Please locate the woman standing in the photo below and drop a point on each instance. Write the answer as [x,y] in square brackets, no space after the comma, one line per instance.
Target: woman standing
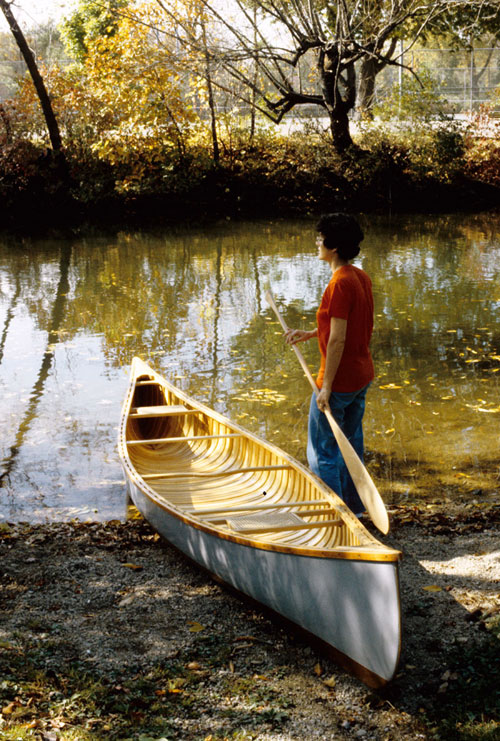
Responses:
[344,329]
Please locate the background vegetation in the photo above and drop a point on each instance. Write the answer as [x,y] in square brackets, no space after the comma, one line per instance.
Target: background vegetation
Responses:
[154,127]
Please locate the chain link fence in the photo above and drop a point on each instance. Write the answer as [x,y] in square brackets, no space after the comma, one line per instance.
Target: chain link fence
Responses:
[464,80]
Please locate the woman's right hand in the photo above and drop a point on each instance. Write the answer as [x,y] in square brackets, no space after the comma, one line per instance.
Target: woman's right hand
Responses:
[292,336]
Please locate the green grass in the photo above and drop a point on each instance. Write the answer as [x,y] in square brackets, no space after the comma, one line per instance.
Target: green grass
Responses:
[470,708]
[144,705]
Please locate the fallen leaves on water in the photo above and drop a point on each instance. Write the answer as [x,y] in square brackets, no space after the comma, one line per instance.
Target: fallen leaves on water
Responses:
[261,396]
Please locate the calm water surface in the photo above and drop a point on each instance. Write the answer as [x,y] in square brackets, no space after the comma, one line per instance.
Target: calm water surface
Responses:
[74,313]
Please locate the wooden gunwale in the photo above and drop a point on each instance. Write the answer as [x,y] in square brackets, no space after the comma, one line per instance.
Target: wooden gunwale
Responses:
[368,550]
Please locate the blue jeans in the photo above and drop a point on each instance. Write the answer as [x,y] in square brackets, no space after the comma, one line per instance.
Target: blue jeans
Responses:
[323,454]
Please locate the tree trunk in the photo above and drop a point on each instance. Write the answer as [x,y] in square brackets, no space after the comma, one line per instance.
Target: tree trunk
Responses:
[211,100]
[339,96]
[50,119]
[339,128]
[366,93]
[369,68]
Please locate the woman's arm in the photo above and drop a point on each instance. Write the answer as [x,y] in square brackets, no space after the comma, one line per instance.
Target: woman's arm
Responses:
[334,350]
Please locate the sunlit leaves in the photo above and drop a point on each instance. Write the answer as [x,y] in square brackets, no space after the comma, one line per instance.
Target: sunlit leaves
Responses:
[265,396]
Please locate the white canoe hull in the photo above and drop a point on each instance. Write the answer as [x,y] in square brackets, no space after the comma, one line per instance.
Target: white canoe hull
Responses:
[352,606]
[329,577]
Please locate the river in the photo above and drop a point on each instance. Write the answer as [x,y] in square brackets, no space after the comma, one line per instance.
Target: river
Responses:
[191,301]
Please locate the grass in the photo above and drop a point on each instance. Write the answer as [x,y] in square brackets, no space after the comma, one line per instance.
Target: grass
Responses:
[469,710]
[166,702]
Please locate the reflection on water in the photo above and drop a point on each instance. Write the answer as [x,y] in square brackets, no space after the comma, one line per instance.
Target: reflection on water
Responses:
[72,315]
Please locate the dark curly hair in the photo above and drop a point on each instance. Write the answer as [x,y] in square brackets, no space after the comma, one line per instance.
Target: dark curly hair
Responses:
[341,232]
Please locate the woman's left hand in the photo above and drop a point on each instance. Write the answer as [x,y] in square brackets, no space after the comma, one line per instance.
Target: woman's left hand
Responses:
[322,399]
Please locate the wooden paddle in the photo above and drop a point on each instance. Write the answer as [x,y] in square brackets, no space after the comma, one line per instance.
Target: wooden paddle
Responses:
[366,489]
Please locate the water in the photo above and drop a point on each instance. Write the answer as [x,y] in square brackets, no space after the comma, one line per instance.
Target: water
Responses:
[74,313]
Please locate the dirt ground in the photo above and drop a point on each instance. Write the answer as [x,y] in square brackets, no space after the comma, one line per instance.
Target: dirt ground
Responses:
[117,602]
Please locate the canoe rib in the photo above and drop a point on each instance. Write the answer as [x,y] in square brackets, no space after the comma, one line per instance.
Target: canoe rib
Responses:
[195,475]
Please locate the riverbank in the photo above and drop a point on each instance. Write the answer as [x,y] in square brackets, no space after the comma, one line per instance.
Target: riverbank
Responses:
[108,633]
[274,176]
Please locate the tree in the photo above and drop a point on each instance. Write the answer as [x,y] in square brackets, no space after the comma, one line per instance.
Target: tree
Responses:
[41,90]
[466,28]
[278,36]
[90,21]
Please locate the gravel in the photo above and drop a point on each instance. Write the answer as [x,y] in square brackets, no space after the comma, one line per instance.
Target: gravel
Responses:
[116,599]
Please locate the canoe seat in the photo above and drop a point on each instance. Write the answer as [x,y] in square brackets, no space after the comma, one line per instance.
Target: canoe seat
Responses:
[164,410]
[264,521]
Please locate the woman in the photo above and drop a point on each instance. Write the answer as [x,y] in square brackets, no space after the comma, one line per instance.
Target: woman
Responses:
[344,328]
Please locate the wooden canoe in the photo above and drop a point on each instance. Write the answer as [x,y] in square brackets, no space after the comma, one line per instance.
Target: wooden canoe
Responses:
[261,522]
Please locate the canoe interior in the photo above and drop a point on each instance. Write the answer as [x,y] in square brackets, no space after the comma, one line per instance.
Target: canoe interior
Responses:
[216,473]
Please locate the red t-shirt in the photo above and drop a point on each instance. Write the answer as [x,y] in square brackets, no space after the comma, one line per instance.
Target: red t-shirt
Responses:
[348,296]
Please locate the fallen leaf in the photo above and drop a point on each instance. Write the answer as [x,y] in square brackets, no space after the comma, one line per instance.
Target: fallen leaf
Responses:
[195,627]
[318,670]
[432,588]
[133,566]
[175,685]
[330,682]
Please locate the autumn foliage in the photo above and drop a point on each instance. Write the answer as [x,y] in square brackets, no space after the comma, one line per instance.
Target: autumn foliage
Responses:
[139,144]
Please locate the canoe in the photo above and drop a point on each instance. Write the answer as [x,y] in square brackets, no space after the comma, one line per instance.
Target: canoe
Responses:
[261,522]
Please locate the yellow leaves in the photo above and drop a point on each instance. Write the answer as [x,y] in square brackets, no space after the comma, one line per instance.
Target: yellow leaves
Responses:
[432,588]
[391,386]
[484,410]
[330,682]
[195,626]
[265,396]
[176,686]
[133,566]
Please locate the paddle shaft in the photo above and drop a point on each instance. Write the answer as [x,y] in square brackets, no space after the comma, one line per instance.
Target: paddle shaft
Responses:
[366,489]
